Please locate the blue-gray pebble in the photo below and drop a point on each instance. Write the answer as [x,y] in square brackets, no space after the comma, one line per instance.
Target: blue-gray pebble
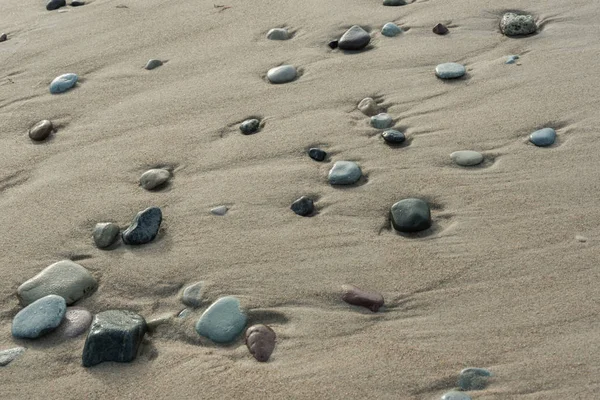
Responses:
[512,59]
[543,137]
[390,30]
[344,173]
[63,83]
[381,121]
[9,355]
[473,378]
[450,71]
[144,227]
[223,321]
[410,215]
[40,317]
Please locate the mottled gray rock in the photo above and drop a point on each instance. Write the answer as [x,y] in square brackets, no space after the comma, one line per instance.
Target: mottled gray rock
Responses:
[41,130]
[513,24]
[450,71]
[220,210]
[77,320]
[9,355]
[115,335]
[368,106]
[455,396]
[355,38]
[192,295]
[223,321]
[394,2]
[105,234]
[282,74]
[382,121]
[154,178]
[543,137]
[151,64]
[392,136]
[317,154]
[144,227]
[473,378]
[358,297]
[250,126]
[304,206]
[467,158]
[344,173]
[39,318]
[410,215]
[278,34]
[64,278]
[260,340]
[391,29]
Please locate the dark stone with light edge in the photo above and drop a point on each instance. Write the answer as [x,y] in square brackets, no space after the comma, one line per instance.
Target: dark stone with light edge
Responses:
[411,215]
[393,136]
[144,227]
[440,29]
[355,38]
[303,206]
[55,4]
[473,378]
[250,126]
[317,154]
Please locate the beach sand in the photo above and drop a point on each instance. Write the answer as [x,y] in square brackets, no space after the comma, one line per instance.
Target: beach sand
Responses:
[499,282]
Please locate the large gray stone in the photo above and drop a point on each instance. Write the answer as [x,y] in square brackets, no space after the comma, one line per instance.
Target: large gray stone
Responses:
[513,24]
[39,318]
[411,215]
[9,355]
[144,227]
[105,234]
[543,137]
[223,321]
[355,38]
[344,173]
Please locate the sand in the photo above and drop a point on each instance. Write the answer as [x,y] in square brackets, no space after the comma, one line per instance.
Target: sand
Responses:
[499,282]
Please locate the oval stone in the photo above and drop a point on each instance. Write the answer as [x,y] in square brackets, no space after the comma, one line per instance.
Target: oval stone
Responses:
[41,130]
[344,173]
[105,234]
[467,158]
[333,44]
[393,136]
[543,137]
[278,34]
[455,396]
[144,227]
[55,4]
[355,38]
[63,83]
[358,297]
[394,2]
[77,320]
[9,355]
[151,64]
[250,126]
[40,317]
[513,24]
[282,74]
[410,215]
[223,321]
[220,210]
[450,71]
[3,37]
[192,295]
[473,378]
[390,30]
[260,340]
[382,121]
[304,206]
[154,178]
[317,154]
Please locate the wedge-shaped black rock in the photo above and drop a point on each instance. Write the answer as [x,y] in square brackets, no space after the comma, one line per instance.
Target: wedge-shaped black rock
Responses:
[144,227]
[115,335]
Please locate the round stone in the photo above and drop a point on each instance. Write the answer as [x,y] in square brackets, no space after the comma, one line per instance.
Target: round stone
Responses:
[355,38]
[154,178]
[41,130]
[410,215]
[450,70]
[40,317]
[543,137]
[192,295]
[473,378]
[3,37]
[63,83]
[344,173]
[390,30]
[440,29]
[151,64]
[223,321]
[455,396]
[144,227]
[278,34]
[317,154]
[77,320]
[368,106]
[282,74]
[382,121]
[260,340]
[304,206]
[55,4]
[393,136]
[513,24]
[250,126]
[466,158]
[9,355]
[220,210]
[105,234]
[511,59]
[394,2]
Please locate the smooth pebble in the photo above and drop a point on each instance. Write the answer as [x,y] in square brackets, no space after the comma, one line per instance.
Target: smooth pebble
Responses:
[368,106]
[39,318]
[192,295]
[393,136]
[77,320]
[390,30]
[55,4]
[410,215]
[450,71]
[144,227]
[154,178]
[355,38]
[543,137]
[317,154]
[220,210]
[223,321]
[105,234]
[511,59]
[282,74]
[467,158]
[304,206]
[41,130]
[394,2]
[455,396]
[440,29]
[278,34]
[473,378]
[344,173]
[382,121]
[151,64]
[3,37]
[63,83]
[362,298]
[9,355]
[260,340]
[250,126]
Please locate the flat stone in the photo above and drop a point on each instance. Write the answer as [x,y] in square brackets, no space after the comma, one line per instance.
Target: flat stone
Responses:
[304,206]
[511,59]
[220,210]
[394,2]
[467,158]
[513,24]
[440,29]
[3,37]
[362,298]
[278,34]
[144,227]
[151,64]
[105,234]
[455,396]
[155,322]
[382,121]
[333,44]
[317,154]
[154,178]
[344,173]
[184,313]
[368,106]
[250,126]
[39,318]
[282,74]
[410,215]
[77,3]
[9,355]
[41,130]
[64,278]
[390,30]
[543,137]
[393,136]
[115,335]
[223,321]
[55,4]
[63,82]
[260,340]
[355,38]
[77,320]
[450,71]
[192,295]
[473,378]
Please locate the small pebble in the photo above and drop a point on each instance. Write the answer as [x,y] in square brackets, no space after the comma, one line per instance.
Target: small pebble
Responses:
[282,74]
[513,24]
[192,295]
[3,37]
[144,227]
[220,210]
[317,154]
[467,158]
[63,83]
[9,355]
[355,38]
[155,322]
[105,234]
[390,30]
[511,59]
[278,34]
[55,4]
[154,178]
[250,126]
[223,321]
[455,396]
[260,340]
[382,121]
[393,136]
[77,3]
[358,297]
[581,239]
[450,71]
[39,318]
[344,173]
[410,215]
[333,44]
[394,2]
[368,106]
[41,130]
[440,29]
[184,313]
[77,320]
[304,206]
[151,64]
[543,137]
[473,378]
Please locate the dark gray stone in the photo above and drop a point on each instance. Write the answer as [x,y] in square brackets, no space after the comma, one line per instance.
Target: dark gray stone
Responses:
[105,234]
[344,173]
[41,130]
[9,355]
[543,137]
[55,4]
[393,136]
[394,2]
[115,335]
[513,24]
[77,3]
[151,64]
[333,44]
[473,378]
[144,227]
[250,126]
[440,29]
[260,340]
[39,318]
[411,215]
[303,206]
[192,295]
[317,154]
[3,37]
[355,38]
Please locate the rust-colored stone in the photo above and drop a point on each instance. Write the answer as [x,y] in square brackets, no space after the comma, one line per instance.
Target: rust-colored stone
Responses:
[260,340]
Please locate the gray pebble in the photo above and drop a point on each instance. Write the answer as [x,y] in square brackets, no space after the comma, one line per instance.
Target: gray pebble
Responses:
[455,396]
[41,130]
[192,295]
[410,215]
[154,178]
[39,318]
[355,38]
[3,37]
[278,34]
[393,136]
[105,234]
[144,227]
[344,173]
[368,106]
[513,24]
[450,71]
[282,74]
[151,64]
[543,137]
[473,378]
[220,210]
[511,59]
[467,158]
[9,355]
[394,2]
[382,121]
[390,30]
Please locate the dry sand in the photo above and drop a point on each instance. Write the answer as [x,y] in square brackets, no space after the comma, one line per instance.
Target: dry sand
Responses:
[500,282]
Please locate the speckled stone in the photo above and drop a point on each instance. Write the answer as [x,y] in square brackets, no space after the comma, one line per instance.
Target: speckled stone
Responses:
[511,59]
[362,298]
[394,2]
[41,130]
[410,215]
[467,158]
[220,210]
[450,71]
[250,126]
[317,154]
[77,320]
[260,340]
[64,278]
[39,318]
[543,137]
[154,178]
[455,396]
[55,4]
[105,234]
[9,355]
[368,106]
[390,30]
[513,24]
[63,83]
[223,321]
[144,227]
[392,136]
[355,38]
[440,29]
[278,34]
[344,173]
[382,121]
[153,63]
[282,74]
[192,295]
[473,378]
[304,206]
[3,37]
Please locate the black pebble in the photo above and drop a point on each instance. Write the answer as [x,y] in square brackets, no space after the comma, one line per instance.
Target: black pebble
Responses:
[317,154]
[333,44]
[144,227]
[303,206]
[55,4]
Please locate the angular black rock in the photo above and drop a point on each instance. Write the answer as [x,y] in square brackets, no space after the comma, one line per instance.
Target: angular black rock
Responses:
[411,215]
[317,154]
[115,335]
[440,29]
[333,44]
[144,227]
[355,38]
[303,206]
[55,4]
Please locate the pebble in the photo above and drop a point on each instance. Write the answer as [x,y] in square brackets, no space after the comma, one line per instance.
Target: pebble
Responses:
[304,206]
[223,321]
[260,340]
[155,322]
[154,178]
[467,158]
[63,83]
[278,34]
[39,318]
[390,30]
[394,2]
[144,227]
[511,59]
[513,24]
[282,74]
[473,378]
[250,126]
[192,295]
[581,239]
[115,335]
[220,210]
[543,137]
[317,154]
[3,37]
[440,29]
[41,130]
[455,396]
[344,173]
[411,215]
[355,38]
[382,121]
[151,64]
[333,44]
[105,234]
[77,320]
[184,313]
[450,71]
[77,3]
[393,136]
[64,278]
[358,297]
[55,4]
[9,355]
[368,106]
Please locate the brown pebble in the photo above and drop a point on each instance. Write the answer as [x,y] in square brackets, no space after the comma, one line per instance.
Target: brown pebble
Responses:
[3,37]
[260,340]
[41,130]
[440,29]
[358,297]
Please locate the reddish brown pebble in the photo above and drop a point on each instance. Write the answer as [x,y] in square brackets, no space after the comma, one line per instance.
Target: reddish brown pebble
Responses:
[3,37]
[260,340]
[440,29]
[358,297]
[41,130]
